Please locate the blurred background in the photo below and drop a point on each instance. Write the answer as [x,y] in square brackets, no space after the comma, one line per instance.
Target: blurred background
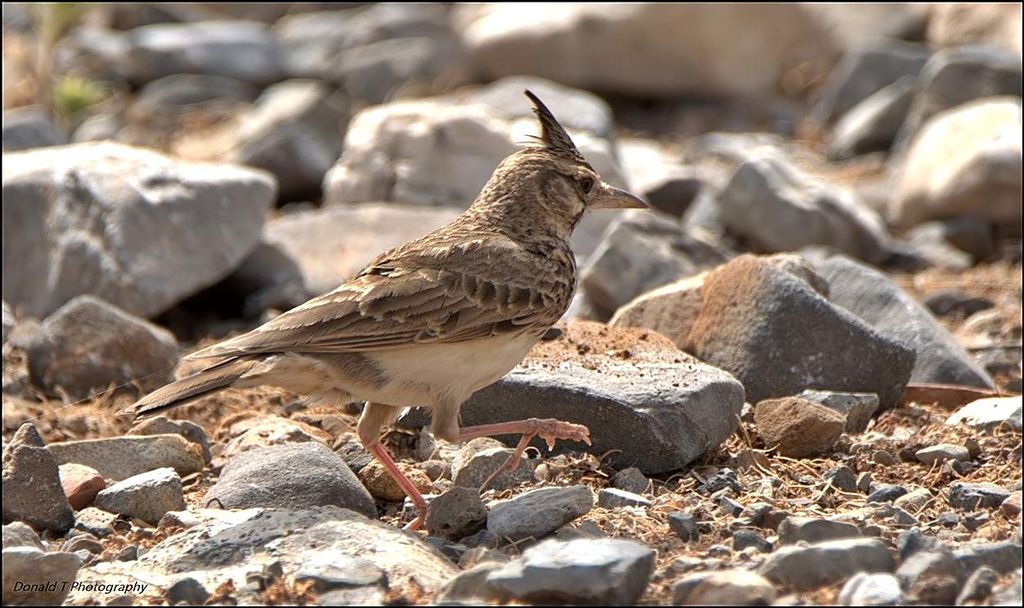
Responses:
[329,132]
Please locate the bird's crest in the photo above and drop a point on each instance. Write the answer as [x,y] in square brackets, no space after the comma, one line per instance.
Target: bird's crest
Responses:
[552,134]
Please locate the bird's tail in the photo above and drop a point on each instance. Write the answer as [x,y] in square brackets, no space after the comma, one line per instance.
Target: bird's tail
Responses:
[210,380]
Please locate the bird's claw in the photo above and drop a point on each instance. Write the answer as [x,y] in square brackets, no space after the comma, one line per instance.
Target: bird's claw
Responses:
[551,430]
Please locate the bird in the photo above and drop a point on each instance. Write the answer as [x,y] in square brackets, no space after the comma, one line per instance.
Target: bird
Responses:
[431,322]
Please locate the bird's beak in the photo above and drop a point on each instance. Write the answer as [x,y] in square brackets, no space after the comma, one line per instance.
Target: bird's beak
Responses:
[610,197]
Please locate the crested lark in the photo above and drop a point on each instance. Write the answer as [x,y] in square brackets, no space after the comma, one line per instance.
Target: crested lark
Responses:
[433,321]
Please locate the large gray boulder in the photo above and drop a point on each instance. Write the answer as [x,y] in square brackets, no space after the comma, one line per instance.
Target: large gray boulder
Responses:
[134,227]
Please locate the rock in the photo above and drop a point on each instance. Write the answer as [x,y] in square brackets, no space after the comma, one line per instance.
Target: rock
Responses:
[814,530]
[658,421]
[928,567]
[469,585]
[1003,557]
[94,521]
[827,562]
[290,477]
[659,176]
[857,407]
[572,46]
[683,525]
[32,492]
[872,125]
[749,305]
[28,127]
[179,95]
[539,512]
[780,207]
[268,278]
[863,72]
[960,157]
[34,577]
[233,545]
[1008,593]
[954,77]
[333,244]
[726,587]
[631,480]
[1011,506]
[162,221]
[941,453]
[333,569]
[914,500]
[187,591]
[953,25]
[582,571]
[639,252]
[842,478]
[953,303]
[477,459]
[886,492]
[18,534]
[457,513]
[84,542]
[88,345]
[119,458]
[879,302]
[382,486]
[796,427]
[989,412]
[98,127]
[972,235]
[971,496]
[878,589]
[978,587]
[295,133]
[379,71]
[611,498]
[742,539]
[267,430]
[161,425]
[81,484]
[672,309]
[242,50]
[146,496]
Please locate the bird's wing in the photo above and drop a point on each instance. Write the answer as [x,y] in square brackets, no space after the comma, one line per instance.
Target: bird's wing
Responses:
[449,294]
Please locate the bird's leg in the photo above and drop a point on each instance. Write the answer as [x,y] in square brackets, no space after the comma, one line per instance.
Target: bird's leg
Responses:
[380,453]
[547,429]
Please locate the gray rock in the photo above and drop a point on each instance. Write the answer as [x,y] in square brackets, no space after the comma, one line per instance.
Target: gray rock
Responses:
[956,76]
[814,530]
[332,569]
[971,496]
[32,491]
[181,94]
[657,422]
[873,124]
[469,585]
[147,496]
[878,589]
[29,127]
[611,498]
[864,71]
[576,108]
[841,477]
[886,492]
[941,453]
[924,566]
[136,228]
[582,571]
[953,303]
[289,477]
[639,252]
[295,133]
[121,347]
[684,525]
[750,307]
[119,458]
[98,127]
[457,513]
[539,512]
[331,245]
[724,588]
[741,539]
[1003,557]
[161,425]
[242,50]
[857,407]
[915,500]
[267,278]
[95,521]
[376,72]
[978,587]
[782,208]
[477,459]
[45,578]
[19,534]
[187,590]
[989,412]
[632,480]
[827,562]
[972,235]
[660,176]
[879,302]
[1009,592]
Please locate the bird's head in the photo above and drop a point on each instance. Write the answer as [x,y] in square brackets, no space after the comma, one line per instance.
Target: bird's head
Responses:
[552,176]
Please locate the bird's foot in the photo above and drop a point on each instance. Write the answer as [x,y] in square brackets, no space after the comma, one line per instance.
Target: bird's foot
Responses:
[548,429]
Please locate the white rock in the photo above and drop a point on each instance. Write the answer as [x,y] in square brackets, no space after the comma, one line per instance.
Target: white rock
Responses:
[989,412]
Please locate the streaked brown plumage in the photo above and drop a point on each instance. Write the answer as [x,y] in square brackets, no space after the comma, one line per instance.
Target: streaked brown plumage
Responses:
[432,321]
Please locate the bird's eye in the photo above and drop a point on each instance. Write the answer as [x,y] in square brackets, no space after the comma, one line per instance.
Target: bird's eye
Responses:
[586,184]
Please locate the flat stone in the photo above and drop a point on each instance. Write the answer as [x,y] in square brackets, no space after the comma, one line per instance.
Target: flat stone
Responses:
[874,123]
[954,303]
[878,589]
[724,588]
[32,491]
[147,496]
[631,480]
[457,513]
[857,407]
[81,484]
[161,425]
[611,498]
[797,427]
[582,571]
[813,530]
[119,458]
[886,493]
[477,459]
[743,539]
[269,430]
[842,478]
[989,412]
[941,453]
[539,512]
[971,496]
[289,477]
[1003,557]
[683,525]
[95,521]
[915,500]
[36,570]
[332,569]
[827,562]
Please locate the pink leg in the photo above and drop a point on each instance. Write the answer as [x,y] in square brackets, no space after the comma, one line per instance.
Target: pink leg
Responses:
[381,454]
[548,429]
